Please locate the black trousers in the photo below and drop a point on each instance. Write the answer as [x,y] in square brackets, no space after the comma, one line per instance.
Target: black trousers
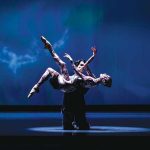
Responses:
[75,120]
[74,115]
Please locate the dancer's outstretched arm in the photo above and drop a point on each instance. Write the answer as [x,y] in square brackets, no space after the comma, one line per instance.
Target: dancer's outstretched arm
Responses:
[92,57]
[84,77]
[72,63]
[89,80]
[86,67]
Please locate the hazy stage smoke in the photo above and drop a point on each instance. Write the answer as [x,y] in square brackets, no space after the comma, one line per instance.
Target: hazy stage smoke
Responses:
[61,41]
[15,61]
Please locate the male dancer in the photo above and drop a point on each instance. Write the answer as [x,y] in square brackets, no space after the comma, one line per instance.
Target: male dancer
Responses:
[73,109]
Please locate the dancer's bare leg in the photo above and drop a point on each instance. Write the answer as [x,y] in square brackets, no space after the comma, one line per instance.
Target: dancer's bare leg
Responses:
[57,59]
[47,74]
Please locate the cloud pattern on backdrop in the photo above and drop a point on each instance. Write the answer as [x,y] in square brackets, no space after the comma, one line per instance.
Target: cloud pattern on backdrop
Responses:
[15,61]
[62,40]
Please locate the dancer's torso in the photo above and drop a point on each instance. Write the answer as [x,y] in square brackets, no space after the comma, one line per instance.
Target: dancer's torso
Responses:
[71,86]
[74,83]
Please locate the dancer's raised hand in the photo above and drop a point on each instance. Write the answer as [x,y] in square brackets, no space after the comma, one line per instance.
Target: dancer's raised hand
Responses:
[93,48]
[68,57]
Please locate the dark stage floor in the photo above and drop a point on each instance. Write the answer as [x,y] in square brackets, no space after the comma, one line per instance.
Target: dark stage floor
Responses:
[46,128]
[47,124]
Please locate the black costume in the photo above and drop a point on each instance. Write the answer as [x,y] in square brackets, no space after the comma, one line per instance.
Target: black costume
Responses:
[74,110]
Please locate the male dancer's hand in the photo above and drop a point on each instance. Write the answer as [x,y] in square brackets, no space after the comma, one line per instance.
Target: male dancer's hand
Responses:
[34,90]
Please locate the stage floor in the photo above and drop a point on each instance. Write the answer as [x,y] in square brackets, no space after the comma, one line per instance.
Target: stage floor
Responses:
[41,130]
[49,124]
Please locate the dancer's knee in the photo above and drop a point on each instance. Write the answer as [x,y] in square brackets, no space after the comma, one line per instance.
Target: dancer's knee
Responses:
[49,69]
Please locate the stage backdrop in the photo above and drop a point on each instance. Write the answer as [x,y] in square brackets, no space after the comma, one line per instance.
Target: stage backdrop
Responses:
[120,30]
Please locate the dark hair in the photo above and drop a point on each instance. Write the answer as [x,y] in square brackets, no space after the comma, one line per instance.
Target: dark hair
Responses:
[78,62]
[108,82]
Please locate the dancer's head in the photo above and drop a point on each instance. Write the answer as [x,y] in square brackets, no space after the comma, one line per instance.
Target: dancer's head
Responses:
[106,80]
[80,65]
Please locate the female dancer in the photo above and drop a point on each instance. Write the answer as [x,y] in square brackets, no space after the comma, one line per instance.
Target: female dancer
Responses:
[74,87]
[62,81]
